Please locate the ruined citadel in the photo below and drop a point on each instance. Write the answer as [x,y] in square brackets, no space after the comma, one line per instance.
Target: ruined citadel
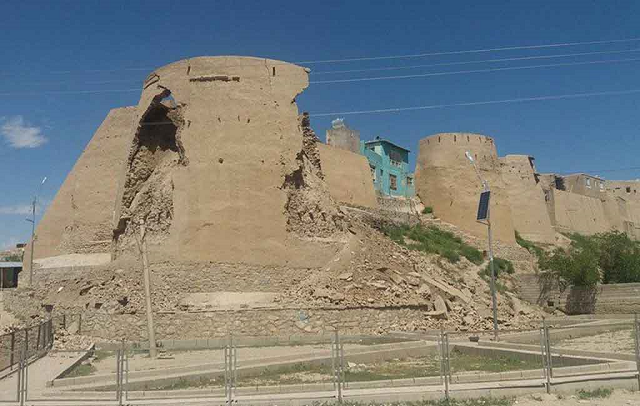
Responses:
[253,224]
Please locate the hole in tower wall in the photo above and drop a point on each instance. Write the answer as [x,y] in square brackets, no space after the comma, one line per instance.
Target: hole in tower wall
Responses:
[148,188]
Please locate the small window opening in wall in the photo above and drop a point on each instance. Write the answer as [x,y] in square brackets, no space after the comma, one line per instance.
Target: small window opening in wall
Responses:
[393,182]
[588,182]
[438,139]
[602,186]
[628,189]
[409,181]
[550,303]
[273,71]
[467,138]
[455,138]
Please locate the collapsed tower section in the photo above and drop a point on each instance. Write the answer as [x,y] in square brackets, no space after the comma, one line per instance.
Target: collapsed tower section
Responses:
[222,168]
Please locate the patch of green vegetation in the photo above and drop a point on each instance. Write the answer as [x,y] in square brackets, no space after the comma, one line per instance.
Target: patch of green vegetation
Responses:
[89,368]
[81,370]
[185,384]
[432,240]
[600,393]
[460,361]
[394,369]
[500,266]
[427,210]
[610,257]
[529,246]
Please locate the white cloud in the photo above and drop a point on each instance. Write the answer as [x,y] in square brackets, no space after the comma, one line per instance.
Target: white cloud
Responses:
[25,209]
[18,209]
[19,134]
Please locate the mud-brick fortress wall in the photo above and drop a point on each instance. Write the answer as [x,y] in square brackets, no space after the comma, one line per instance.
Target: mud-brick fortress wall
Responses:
[79,220]
[526,197]
[446,181]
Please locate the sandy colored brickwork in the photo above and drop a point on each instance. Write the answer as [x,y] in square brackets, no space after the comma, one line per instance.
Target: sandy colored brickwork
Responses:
[526,198]
[348,176]
[79,220]
[446,181]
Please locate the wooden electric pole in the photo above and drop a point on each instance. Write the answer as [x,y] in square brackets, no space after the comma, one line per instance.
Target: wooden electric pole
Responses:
[142,245]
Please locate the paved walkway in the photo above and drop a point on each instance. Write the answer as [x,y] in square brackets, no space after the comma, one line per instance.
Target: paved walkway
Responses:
[39,372]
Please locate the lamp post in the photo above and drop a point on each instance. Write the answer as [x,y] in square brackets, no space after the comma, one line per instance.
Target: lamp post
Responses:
[487,190]
[32,220]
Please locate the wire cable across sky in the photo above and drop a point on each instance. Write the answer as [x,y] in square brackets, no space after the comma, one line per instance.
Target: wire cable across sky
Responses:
[386,57]
[480,103]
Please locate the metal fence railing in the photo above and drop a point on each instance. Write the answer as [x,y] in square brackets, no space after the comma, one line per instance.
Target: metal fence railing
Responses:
[332,367]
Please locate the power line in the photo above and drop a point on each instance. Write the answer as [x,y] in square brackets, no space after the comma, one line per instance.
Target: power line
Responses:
[375,58]
[365,79]
[422,75]
[471,51]
[480,103]
[524,58]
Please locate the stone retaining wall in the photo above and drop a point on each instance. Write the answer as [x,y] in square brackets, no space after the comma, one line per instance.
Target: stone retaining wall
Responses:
[603,299]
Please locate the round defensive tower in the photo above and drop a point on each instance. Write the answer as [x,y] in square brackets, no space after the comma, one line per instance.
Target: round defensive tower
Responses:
[215,147]
[446,181]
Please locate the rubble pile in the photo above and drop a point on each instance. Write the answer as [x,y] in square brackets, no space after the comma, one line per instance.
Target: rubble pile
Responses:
[381,274]
[66,340]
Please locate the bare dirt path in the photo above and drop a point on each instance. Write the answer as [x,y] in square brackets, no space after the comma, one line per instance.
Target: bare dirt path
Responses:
[621,341]
[618,398]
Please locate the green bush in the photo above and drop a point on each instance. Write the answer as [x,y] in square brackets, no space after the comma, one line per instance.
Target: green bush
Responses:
[600,393]
[619,258]
[578,267]
[472,254]
[434,241]
[529,246]
[500,266]
[610,257]
[427,210]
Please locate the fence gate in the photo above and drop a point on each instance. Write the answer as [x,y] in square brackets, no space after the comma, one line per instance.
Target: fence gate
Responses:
[337,365]
[230,370]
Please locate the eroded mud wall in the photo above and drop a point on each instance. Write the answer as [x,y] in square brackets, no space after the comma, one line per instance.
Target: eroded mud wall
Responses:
[228,177]
[580,214]
[348,176]
[79,220]
[528,208]
[446,181]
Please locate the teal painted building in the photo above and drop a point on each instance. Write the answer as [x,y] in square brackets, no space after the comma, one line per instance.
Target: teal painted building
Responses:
[389,164]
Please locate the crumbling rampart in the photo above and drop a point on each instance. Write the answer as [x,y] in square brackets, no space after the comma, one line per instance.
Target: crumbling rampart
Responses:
[79,219]
[219,170]
[348,176]
[527,199]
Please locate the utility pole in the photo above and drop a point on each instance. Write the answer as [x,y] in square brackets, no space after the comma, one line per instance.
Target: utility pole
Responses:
[32,220]
[142,245]
[486,193]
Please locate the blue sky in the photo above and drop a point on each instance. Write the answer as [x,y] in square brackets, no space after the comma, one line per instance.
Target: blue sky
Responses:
[112,45]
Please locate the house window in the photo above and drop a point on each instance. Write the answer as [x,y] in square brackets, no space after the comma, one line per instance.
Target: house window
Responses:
[588,182]
[409,181]
[628,189]
[395,163]
[393,181]
[373,173]
[602,186]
